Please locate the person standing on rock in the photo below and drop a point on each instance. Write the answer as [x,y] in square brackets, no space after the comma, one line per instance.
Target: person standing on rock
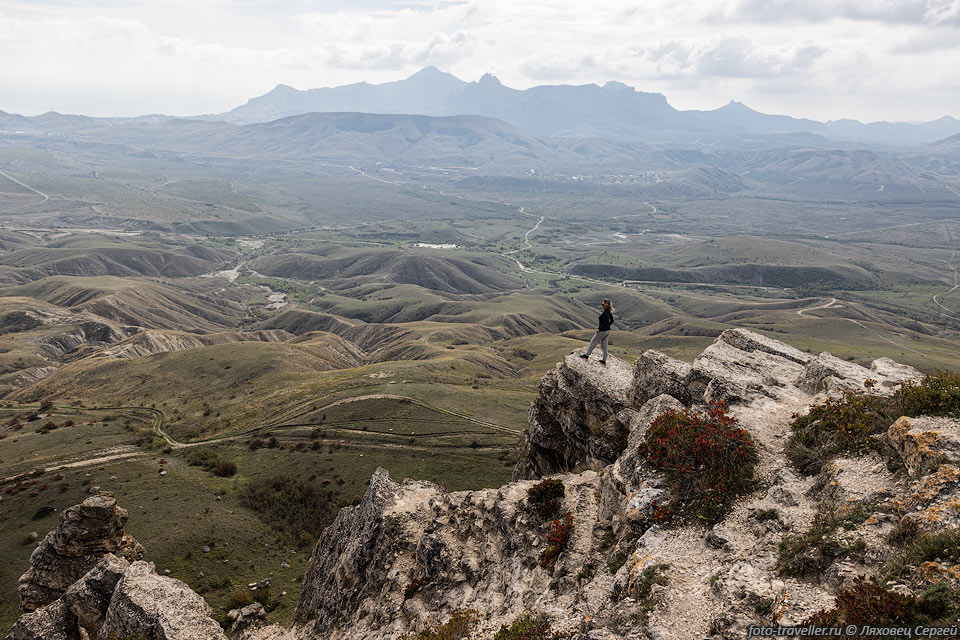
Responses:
[603,332]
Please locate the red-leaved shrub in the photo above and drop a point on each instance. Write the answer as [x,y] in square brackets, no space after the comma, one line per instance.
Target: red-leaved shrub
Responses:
[707,458]
[557,539]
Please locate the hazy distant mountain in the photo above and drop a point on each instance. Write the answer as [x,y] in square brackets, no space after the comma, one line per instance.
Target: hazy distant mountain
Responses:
[895,132]
[948,145]
[614,111]
[365,137]
[425,92]
[737,117]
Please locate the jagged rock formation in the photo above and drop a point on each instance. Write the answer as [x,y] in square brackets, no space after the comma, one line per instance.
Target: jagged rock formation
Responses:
[410,553]
[87,580]
[574,421]
[87,532]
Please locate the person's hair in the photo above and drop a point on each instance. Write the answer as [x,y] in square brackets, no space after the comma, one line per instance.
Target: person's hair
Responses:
[607,304]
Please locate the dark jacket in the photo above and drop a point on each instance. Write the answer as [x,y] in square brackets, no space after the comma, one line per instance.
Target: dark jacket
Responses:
[606,320]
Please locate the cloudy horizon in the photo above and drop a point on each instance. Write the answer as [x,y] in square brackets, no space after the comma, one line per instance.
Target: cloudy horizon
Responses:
[890,60]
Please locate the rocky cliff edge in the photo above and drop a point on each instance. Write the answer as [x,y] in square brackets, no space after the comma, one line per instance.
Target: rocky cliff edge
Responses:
[411,553]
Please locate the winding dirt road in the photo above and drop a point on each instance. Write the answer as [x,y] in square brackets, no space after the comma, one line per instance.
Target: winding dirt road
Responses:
[947,311]
[122,453]
[26,186]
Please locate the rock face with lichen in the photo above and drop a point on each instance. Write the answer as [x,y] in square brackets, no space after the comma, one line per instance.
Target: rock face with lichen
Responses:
[411,553]
[87,532]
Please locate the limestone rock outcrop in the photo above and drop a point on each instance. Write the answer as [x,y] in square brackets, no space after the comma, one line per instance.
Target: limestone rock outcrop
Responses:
[52,622]
[86,533]
[574,421]
[147,605]
[409,550]
[410,553]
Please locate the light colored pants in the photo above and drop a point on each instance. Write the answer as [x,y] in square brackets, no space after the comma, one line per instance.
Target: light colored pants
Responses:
[601,337]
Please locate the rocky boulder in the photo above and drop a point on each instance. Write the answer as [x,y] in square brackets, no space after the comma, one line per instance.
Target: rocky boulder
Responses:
[89,597]
[574,422]
[86,533]
[829,373]
[656,374]
[146,605]
[410,553]
[53,622]
[925,443]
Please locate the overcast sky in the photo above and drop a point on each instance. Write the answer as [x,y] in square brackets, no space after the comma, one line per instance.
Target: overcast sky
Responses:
[825,59]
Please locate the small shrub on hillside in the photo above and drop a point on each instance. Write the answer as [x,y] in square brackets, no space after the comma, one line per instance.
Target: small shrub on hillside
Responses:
[299,509]
[524,354]
[203,457]
[557,539]
[544,497]
[238,600]
[42,513]
[844,425]
[920,546]
[810,553]
[763,515]
[708,459]
[225,469]
[460,625]
[868,602]
[642,589]
[529,626]
[935,395]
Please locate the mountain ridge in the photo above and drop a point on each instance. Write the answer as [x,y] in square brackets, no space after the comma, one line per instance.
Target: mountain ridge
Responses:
[613,110]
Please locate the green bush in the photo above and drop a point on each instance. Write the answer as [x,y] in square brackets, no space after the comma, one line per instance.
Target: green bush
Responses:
[868,602]
[529,626]
[707,458]
[42,513]
[809,554]
[544,498]
[203,457]
[642,589]
[460,625]
[936,395]
[225,469]
[851,424]
[844,425]
[920,546]
[299,509]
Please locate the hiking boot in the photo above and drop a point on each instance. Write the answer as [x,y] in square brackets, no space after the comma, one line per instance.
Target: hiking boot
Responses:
[584,356]
[603,362]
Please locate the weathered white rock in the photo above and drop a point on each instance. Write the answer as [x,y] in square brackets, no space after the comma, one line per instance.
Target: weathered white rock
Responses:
[89,597]
[151,606]
[933,501]
[574,422]
[410,552]
[925,443]
[893,374]
[86,533]
[52,622]
[246,619]
[655,374]
[750,341]
[829,373]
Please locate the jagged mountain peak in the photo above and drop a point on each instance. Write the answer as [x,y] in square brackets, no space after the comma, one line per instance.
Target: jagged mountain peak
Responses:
[489,80]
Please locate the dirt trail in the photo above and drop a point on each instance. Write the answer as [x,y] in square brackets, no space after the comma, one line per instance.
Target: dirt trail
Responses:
[23,206]
[956,284]
[832,302]
[119,453]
